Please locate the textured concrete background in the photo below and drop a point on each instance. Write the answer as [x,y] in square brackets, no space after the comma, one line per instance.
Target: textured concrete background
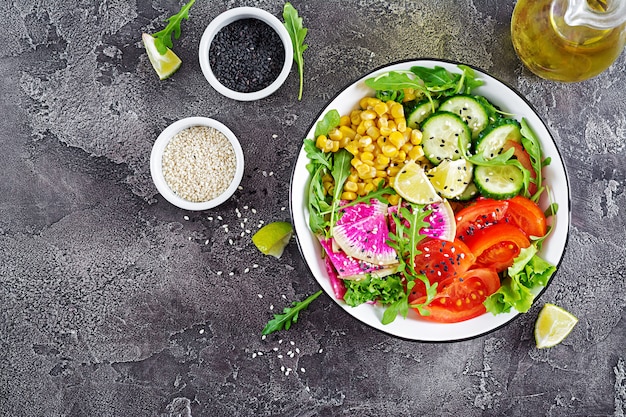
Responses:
[115,303]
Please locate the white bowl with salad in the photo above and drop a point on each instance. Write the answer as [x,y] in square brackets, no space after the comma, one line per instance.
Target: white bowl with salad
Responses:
[430,201]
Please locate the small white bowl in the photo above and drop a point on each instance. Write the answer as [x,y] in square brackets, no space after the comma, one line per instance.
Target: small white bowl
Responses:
[156,163]
[226,19]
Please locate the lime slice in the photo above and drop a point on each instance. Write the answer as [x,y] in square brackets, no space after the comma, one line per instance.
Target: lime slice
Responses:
[272,238]
[413,185]
[164,65]
[451,178]
[553,325]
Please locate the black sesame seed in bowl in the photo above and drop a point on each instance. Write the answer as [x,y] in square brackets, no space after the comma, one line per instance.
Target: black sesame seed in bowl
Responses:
[246,53]
[196,163]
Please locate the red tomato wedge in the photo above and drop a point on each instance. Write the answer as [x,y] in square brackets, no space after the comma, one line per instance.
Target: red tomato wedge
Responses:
[524,159]
[461,297]
[440,260]
[526,215]
[497,246]
[484,212]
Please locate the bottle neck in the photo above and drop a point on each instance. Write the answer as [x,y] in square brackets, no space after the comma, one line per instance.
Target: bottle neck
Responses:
[596,14]
[579,31]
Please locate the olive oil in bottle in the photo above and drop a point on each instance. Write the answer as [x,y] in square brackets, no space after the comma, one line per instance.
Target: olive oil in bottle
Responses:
[554,50]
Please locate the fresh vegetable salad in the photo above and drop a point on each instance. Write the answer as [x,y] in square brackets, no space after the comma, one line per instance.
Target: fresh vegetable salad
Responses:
[425,197]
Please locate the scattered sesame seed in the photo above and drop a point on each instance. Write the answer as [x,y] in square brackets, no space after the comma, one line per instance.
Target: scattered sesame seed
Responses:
[186,217]
[245,271]
[260,353]
[201,331]
[253,355]
[302,370]
[219,217]
[219,272]
[260,295]
[210,218]
[231,273]
[279,356]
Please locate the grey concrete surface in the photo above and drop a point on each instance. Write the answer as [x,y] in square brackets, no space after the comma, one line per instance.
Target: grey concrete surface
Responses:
[115,303]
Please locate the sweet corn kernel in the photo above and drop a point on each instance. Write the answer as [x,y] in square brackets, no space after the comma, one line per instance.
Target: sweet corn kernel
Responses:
[335,134]
[407,147]
[344,120]
[353,147]
[363,170]
[392,171]
[348,195]
[353,176]
[365,141]
[394,199]
[373,132]
[356,163]
[368,115]
[397,139]
[334,145]
[401,124]
[389,150]
[361,189]
[380,108]
[416,137]
[397,111]
[363,102]
[382,122]
[400,157]
[367,156]
[382,159]
[369,187]
[381,173]
[350,186]
[416,153]
[320,142]
[347,131]
[355,117]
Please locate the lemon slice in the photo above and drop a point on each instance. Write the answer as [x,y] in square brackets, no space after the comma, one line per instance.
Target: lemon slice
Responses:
[553,325]
[272,238]
[164,65]
[413,185]
[451,178]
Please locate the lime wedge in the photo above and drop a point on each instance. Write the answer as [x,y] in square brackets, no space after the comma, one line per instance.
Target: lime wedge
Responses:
[553,325]
[272,238]
[451,178]
[413,185]
[164,65]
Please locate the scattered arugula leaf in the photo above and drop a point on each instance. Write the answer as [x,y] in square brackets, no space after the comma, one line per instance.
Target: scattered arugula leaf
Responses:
[297,33]
[289,315]
[164,37]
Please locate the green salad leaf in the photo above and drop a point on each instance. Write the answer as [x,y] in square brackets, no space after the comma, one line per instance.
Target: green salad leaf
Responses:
[297,33]
[163,38]
[289,315]
[528,273]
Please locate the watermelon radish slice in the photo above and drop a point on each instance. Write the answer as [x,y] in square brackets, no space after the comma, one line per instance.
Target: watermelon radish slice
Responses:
[335,282]
[362,233]
[347,267]
[442,224]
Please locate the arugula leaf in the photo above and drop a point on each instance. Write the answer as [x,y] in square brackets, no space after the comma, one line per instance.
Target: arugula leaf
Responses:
[528,273]
[289,315]
[297,33]
[408,222]
[340,173]
[163,38]
[531,143]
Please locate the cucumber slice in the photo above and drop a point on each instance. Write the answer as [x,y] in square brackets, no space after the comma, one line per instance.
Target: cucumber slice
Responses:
[445,136]
[490,144]
[499,182]
[470,110]
[418,112]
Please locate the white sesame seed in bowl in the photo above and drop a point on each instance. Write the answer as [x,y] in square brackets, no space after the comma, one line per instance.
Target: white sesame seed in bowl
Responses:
[196,163]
